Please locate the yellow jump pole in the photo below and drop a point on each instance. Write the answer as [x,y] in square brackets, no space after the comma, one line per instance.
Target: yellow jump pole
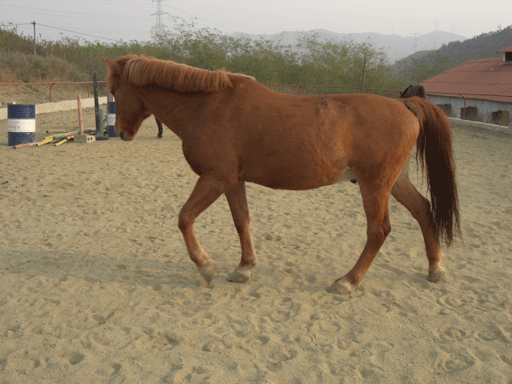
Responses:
[46,140]
[65,140]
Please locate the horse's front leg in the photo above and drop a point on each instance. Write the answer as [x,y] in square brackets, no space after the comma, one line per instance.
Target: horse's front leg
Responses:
[206,191]
[237,201]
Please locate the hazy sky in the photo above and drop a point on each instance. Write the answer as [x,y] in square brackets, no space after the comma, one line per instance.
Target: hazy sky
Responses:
[112,20]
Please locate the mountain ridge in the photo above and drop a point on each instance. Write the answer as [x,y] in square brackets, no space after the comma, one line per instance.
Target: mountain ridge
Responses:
[395,46]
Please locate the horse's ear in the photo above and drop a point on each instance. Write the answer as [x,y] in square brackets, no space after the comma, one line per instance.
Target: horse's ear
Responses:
[113,66]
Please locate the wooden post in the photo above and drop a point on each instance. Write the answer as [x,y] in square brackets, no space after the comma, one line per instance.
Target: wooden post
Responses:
[110,97]
[101,132]
[80,119]
[34,23]
[97,105]
[364,69]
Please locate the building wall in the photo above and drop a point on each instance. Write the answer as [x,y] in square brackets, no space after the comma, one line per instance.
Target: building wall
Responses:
[484,108]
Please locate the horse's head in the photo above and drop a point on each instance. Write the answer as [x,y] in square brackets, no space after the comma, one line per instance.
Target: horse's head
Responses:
[130,109]
[404,94]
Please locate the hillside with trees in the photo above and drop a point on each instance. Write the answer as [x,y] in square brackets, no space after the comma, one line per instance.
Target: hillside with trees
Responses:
[424,65]
[310,61]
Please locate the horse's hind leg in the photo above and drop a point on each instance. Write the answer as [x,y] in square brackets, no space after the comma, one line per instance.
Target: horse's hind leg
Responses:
[237,201]
[407,194]
[206,191]
[376,206]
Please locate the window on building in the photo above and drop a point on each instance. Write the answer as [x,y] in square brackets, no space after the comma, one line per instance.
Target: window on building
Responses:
[500,117]
[469,113]
[447,109]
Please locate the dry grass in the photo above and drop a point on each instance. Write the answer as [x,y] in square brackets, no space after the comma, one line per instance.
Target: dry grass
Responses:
[17,67]
[39,94]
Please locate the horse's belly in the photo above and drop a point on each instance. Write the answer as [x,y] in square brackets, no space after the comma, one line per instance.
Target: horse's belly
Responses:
[346,175]
[300,178]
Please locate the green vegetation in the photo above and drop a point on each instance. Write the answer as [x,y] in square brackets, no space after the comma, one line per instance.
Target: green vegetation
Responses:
[312,62]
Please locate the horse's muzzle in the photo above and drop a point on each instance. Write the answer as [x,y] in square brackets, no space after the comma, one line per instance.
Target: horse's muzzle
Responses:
[122,135]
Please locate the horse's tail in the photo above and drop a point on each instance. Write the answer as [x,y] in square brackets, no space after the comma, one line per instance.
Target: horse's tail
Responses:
[434,149]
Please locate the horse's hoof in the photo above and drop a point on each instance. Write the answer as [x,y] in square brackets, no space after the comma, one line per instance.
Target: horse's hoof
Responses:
[208,271]
[436,275]
[340,287]
[239,276]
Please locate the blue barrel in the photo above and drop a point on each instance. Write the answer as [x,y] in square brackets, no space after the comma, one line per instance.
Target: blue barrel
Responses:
[21,124]
[111,119]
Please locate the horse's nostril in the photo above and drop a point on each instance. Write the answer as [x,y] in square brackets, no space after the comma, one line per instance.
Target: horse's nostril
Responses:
[122,135]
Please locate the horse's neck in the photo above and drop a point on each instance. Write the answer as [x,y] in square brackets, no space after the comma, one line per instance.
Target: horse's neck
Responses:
[170,108]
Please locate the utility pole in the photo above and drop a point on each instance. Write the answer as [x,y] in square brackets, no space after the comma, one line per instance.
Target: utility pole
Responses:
[364,69]
[34,23]
[415,41]
[159,27]
[435,42]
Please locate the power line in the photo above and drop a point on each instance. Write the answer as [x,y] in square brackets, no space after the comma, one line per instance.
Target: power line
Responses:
[198,18]
[80,33]
[76,14]
[9,24]
[60,13]
[123,3]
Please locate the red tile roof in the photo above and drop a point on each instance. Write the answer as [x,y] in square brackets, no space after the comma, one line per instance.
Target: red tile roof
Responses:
[487,79]
[508,49]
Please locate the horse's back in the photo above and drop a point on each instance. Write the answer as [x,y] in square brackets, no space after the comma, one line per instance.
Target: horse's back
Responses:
[304,142]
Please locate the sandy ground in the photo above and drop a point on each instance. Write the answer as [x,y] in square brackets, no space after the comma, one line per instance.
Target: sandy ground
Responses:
[96,285]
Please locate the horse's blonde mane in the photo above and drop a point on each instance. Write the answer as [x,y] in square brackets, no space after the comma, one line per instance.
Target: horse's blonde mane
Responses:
[181,78]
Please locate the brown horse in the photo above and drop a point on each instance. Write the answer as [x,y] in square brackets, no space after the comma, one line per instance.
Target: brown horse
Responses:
[235,130]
